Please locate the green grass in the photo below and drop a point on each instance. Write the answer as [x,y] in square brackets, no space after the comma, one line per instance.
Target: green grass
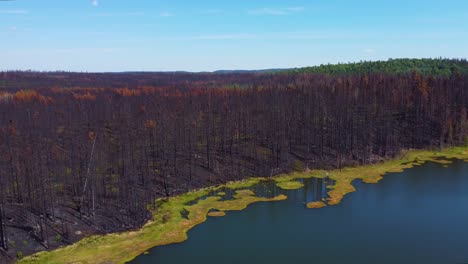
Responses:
[290,185]
[243,184]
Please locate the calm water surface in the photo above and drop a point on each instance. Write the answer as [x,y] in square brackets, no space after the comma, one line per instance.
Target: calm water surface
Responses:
[418,216]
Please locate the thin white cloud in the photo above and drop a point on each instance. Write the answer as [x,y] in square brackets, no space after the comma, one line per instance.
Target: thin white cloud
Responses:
[369,51]
[95,2]
[14,12]
[165,14]
[138,13]
[276,11]
[67,50]
[81,50]
[295,9]
[210,12]
[95,33]
[320,35]
[102,15]
[249,36]
[115,15]
[225,36]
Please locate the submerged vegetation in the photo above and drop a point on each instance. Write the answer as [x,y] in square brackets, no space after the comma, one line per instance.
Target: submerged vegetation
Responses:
[168,226]
[316,205]
[216,214]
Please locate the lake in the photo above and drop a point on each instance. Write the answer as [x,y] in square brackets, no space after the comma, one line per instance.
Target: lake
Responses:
[417,216]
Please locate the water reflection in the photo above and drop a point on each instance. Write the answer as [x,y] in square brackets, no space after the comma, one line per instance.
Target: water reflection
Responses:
[418,216]
[315,189]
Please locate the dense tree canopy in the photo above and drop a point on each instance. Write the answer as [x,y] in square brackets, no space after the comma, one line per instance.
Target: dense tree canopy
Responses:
[435,67]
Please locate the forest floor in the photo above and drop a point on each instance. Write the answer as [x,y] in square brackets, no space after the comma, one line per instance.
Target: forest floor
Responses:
[175,216]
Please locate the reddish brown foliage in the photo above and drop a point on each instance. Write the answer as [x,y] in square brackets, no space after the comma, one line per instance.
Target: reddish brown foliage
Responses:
[150,124]
[86,97]
[91,135]
[127,92]
[26,96]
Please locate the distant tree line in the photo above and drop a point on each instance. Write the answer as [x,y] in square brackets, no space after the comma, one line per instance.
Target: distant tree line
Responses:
[16,80]
[434,67]
[113,151]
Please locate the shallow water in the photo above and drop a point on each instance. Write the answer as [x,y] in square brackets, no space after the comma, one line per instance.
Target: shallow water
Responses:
[418,216]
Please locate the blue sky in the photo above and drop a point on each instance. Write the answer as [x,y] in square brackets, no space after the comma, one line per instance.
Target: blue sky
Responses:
[205,35]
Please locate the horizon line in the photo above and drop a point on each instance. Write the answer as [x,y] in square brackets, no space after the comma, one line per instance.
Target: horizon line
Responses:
[235,70]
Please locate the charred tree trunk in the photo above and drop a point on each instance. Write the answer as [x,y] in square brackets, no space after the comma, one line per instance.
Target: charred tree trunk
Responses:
[3,232]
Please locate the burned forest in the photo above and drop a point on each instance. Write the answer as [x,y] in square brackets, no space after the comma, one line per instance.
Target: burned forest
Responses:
[84,153]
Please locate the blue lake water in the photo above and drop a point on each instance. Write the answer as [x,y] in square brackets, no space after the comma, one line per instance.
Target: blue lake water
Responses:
[418,216]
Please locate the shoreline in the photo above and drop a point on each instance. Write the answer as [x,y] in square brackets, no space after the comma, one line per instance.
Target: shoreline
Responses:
[169,226]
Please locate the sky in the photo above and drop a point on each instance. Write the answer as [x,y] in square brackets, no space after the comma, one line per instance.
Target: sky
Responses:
[207,35]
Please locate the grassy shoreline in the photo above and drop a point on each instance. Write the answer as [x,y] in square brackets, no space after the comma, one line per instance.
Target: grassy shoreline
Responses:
[168,226]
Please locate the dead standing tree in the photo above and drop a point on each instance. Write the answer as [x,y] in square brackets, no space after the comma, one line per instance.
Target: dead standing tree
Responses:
[92,136]
[3,233]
